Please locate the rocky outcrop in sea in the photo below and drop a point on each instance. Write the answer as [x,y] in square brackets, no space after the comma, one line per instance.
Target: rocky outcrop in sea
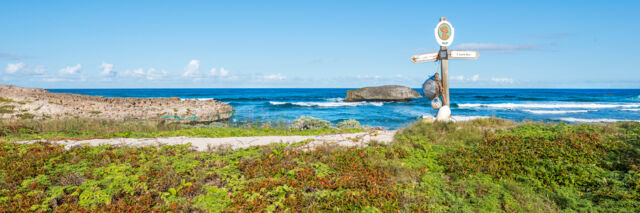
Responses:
[382,93]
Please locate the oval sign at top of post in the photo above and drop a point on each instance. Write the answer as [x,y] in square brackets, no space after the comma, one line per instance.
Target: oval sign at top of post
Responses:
[444,33]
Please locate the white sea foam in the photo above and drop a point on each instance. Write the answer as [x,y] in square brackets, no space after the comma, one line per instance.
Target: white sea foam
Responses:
[555,111]
[456,118]
[277,102]
[598,120]
[548,105]
[328,104]
[334,99]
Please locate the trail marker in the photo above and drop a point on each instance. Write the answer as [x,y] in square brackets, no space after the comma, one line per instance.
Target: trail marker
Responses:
[424,57]
[444,33]
[463,54]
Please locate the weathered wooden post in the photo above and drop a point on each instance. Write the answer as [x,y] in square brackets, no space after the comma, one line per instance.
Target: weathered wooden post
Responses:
[444,71]
[444,33]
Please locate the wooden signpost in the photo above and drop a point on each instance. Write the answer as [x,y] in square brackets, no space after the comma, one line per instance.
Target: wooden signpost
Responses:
[444,33]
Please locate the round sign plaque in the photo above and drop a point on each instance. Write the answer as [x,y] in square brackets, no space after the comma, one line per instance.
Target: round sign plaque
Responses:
[444,33]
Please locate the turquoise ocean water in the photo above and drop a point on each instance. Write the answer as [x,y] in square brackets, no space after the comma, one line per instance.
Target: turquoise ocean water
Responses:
[547,105]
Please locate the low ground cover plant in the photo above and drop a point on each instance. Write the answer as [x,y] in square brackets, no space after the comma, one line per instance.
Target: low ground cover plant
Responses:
[57,129]
[486,165]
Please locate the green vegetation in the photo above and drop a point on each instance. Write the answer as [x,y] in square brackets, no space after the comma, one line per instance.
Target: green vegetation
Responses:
[57,129]
[95,112]
[350,123]
[5,109]
[308,122]
[5,100]
[25,115]
[486,165]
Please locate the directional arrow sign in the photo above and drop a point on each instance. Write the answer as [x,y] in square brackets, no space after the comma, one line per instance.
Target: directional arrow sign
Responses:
[463,54]
[424,57]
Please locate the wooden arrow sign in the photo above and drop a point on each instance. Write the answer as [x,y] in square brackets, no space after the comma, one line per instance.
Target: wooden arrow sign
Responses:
[444,37]
[463,54]
[424,57]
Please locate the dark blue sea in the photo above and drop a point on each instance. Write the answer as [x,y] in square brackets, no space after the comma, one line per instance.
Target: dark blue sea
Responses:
[546,105]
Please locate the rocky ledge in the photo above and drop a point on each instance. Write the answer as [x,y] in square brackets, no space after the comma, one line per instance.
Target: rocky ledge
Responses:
[20,102]
[382,93]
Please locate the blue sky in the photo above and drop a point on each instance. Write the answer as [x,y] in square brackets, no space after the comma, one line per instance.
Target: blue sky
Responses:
[222,44]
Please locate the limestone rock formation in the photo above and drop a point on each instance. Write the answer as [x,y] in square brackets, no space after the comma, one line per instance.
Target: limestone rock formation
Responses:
[382,93]
[39,103]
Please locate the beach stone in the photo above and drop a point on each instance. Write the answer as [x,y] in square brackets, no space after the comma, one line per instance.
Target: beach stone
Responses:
[382,93]
[444,114]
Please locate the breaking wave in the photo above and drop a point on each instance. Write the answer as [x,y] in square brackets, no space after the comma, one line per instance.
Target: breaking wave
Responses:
[555,111]
[327,104]
[599,120]
[548,105]
[457,117]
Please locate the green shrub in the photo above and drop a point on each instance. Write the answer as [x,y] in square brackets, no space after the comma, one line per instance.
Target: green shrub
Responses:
[5,100]
[26,115]
[348,124]
[7,109]
[308,122]
[476,166]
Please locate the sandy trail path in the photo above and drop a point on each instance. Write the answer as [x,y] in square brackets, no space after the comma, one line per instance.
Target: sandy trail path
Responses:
[203,144]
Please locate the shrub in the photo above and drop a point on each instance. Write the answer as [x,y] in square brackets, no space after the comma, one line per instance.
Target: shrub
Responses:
[26,115]
[308,122]
[5,100]
[348,124]
[7,109]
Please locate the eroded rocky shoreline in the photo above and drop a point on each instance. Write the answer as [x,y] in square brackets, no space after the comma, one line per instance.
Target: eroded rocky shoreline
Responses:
[20,102]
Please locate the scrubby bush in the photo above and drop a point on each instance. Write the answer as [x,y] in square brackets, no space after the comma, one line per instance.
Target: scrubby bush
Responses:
[476,166]
[308,122]
[348,124]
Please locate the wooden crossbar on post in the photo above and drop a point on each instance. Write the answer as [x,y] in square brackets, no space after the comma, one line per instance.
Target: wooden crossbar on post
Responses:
[444,33]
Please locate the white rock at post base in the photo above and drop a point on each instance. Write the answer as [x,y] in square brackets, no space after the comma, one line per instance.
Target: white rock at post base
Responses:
[444,114]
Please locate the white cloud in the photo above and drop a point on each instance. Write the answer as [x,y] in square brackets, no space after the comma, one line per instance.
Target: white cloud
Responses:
[13,68]
[457,78]
[152,74]
[473,78]
[502,80]
[275,77]
[22,68]
[39,70]
[504,48]
[54,79]
[371,77]
[107,69]
[71,70]
[224,72]
[192,69]
[149,74]
[136,73]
